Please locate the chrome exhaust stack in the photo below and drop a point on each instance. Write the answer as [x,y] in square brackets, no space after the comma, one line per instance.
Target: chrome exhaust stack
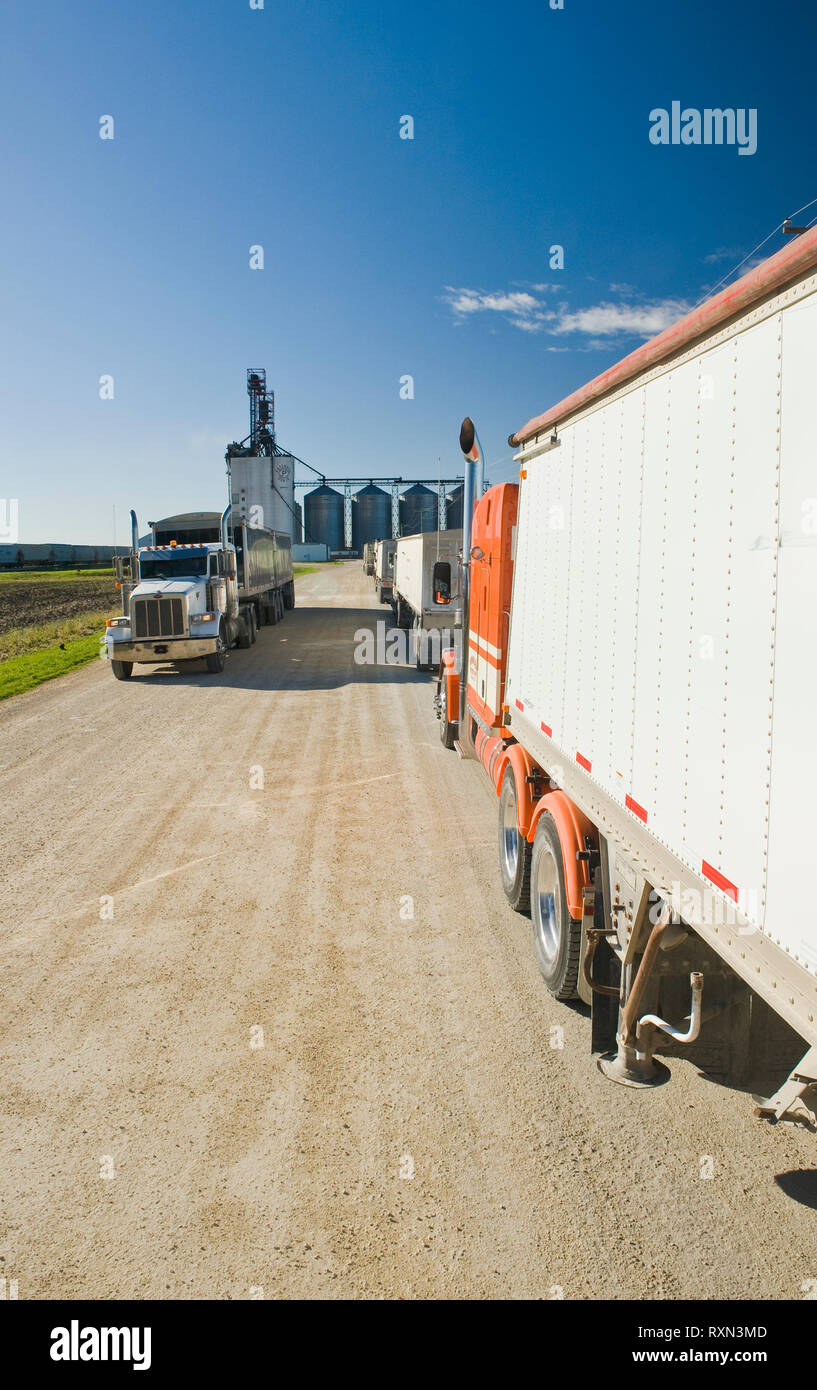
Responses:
[633,1064]
[223,525]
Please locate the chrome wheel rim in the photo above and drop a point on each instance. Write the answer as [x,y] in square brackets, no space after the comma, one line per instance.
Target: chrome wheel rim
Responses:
[545,896]
[510,836]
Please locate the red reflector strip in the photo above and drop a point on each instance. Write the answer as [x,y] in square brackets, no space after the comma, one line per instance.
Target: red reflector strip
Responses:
[519,705]
[546,729]
[583,761]
[730,889]
[637,810]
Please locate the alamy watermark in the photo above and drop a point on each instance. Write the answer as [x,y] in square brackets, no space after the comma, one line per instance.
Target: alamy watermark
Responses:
[688,905]
[711,126]
[395,646]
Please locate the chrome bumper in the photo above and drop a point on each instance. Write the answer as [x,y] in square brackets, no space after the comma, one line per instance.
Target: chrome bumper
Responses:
[169,649]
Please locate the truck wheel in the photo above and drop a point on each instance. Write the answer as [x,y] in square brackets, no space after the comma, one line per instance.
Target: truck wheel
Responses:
[123,670]
[514,850]
[244,631]
[215,662]
[289,594]
[448,731]
[557,937]
[253,625]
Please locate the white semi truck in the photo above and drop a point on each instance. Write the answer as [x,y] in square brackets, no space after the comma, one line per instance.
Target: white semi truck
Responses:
[426,594]
[194,592]
[640,687]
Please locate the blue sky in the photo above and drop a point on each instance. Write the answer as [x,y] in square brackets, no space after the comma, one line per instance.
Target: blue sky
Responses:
[383,257]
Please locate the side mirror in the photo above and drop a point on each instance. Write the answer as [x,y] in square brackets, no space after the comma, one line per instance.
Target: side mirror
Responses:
[441,582]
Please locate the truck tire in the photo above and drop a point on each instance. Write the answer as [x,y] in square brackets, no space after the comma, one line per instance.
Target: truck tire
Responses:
[253,624]
[514,850]
[123,670]
[216,661]
[557,937]
[403,614]
[448,731]
[289,594]
[244,631]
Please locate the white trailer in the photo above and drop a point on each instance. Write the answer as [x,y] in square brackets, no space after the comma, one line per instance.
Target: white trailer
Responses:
[426,590]
[660,666]
[384,570]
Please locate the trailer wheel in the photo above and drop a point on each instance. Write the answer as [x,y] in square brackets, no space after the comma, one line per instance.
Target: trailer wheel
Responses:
[448,731]
[123,670]
[557,937]
[289,594]
[514,850]
[253,624]
[216,660]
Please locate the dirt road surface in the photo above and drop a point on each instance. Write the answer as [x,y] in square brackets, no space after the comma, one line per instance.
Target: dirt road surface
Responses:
[410,1127]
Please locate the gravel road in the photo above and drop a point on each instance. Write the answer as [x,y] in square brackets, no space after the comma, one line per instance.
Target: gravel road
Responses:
[288,1040]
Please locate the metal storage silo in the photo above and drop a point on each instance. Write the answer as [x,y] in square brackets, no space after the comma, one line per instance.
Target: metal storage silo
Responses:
[418,510]
[371,516]
[454,511]
[323,517]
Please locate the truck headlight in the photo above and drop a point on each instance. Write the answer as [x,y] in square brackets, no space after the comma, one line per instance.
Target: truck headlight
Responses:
[117,622]
[203,617]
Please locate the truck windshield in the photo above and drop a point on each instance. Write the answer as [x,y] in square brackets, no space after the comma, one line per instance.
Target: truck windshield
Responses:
[172,567]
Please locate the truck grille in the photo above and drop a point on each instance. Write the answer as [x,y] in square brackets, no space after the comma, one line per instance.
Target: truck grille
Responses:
[158,617]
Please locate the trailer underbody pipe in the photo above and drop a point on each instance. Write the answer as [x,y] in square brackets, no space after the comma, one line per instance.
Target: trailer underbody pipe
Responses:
[633,1064]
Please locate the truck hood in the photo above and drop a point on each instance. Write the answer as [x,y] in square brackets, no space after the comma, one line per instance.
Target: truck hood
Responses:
[165,588]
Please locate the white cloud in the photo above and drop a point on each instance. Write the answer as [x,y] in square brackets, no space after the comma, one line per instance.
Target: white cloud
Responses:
[519,307]
[605,320]
[722,253]
[611,320]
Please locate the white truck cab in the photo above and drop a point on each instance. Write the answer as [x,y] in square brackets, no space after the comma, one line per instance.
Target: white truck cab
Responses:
[187,600]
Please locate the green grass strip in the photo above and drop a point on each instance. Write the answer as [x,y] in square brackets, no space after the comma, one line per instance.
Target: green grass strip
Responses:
[22,673]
